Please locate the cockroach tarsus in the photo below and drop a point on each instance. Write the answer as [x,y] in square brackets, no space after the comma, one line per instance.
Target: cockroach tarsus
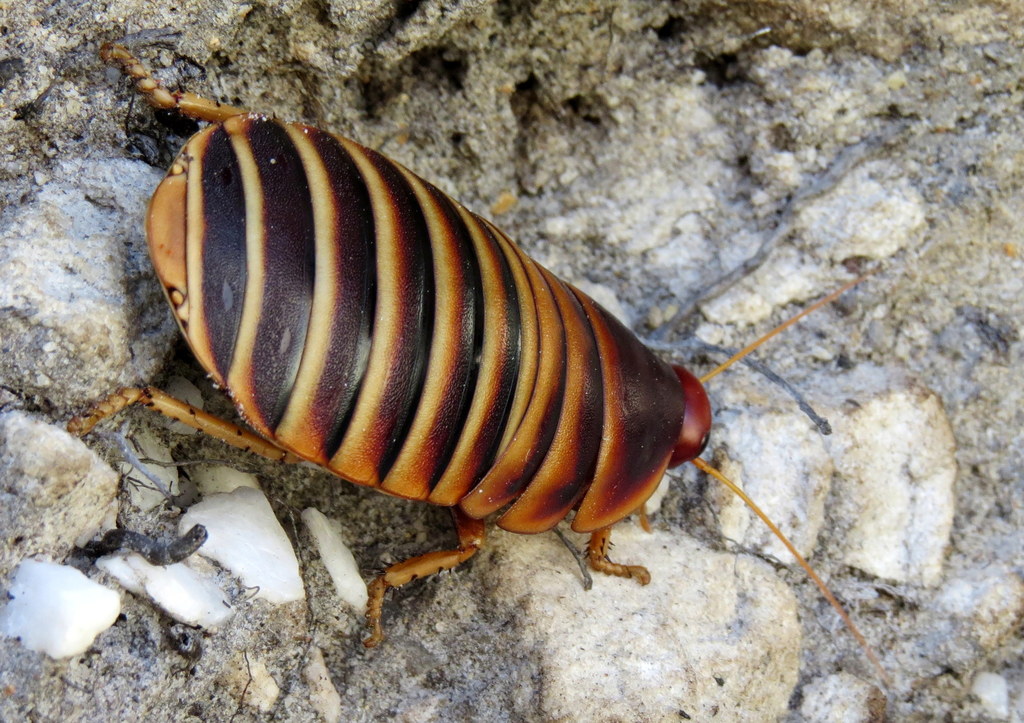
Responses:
[489,378]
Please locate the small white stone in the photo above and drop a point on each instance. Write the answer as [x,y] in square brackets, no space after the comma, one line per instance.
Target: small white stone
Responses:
[56,609]
[993,693]
[246,538]
[55,492]
[628,652]
[177,589]
[864,216]
[323,695]
[337,558]
[988,602]
[842,697]
[214,479]
[250,681]
[785,279]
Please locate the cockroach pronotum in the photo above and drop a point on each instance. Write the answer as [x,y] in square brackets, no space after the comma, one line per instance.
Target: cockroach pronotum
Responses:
[362,320]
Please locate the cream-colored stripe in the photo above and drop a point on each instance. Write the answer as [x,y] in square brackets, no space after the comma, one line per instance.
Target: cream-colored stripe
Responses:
[457,478]
[407,475]
[527,443]
[295,429]
[198,333]
[534,511]
[529,354]
[240,382]
[356,458]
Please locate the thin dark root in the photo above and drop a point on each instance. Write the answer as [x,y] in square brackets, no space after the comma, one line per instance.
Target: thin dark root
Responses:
[588,581]
[120,440]
[760,367]
[820,422]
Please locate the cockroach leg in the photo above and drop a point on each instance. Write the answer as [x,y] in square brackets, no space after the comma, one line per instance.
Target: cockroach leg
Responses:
[158,96]
[597,555]
[182,412]
[471,538]
[645,522]
[83,423]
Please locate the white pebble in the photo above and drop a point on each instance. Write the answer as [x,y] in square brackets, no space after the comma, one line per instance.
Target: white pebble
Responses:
[177,589]
[842,697]
[323,695]
[337,558]
[214,479]
[250,681]
[993,693]
[738,622]
[777,458]
[863,216]
[56,609]
[246,538]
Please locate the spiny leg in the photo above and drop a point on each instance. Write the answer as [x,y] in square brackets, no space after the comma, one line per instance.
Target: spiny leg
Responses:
[597,555]
[158,96]
[471,537]
[182,412]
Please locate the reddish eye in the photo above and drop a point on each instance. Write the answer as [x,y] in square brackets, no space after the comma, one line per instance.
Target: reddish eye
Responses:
[693,437]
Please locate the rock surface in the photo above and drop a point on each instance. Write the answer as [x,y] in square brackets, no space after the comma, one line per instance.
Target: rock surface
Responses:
[706,168]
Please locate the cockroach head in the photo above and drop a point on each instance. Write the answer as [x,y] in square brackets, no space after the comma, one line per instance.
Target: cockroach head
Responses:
[696,429]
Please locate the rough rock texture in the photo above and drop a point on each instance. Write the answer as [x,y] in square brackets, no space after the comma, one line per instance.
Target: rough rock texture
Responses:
[53,489]
[707,167]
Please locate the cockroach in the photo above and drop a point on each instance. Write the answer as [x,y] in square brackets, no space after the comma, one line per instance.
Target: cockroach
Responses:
[362,320]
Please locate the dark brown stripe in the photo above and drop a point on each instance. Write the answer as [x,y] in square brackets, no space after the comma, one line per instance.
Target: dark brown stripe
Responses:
[436,426]
[418,327]
[473,333]
[497,364]
[223,248]
[490,436]
[288,248]
[569,466]
[402,325]
[529,335]
[517,463]
[352,324]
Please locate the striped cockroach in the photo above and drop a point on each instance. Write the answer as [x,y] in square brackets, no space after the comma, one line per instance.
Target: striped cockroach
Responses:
[362,320]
